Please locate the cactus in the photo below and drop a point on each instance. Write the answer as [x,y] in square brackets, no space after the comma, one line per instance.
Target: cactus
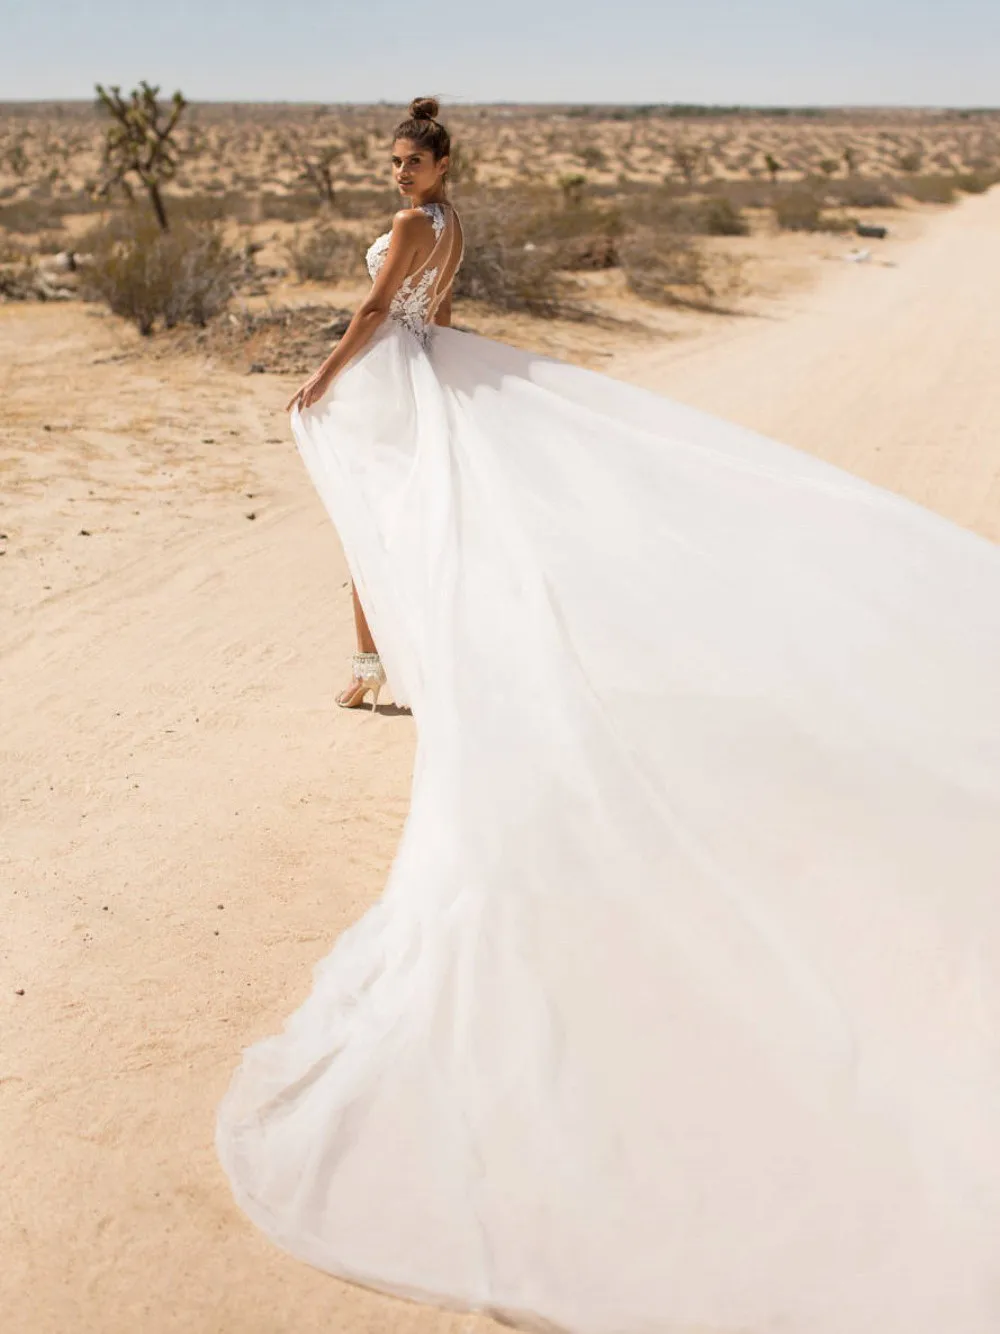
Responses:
[138,143]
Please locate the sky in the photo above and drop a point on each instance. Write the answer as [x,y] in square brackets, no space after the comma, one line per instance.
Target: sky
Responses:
[763,53]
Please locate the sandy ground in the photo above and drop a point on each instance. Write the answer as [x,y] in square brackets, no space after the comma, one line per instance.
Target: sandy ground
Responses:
[189,822]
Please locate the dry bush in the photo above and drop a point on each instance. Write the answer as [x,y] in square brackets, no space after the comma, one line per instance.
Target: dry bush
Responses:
[717,215]
[802,211]
[17,282]
[746,194]
[37,215]
[860,192]
[503,266]
[367,202]
[231,207]
[977,182]
[287,208]
[148,276]
[910,160]
[930,189]
[583,253]
[666,267]
[324,255]
[712,215]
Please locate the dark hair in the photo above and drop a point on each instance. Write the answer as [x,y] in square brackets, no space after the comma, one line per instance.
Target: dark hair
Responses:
[424,129]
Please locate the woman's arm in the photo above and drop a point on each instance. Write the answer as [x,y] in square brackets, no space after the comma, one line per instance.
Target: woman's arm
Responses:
[408,227]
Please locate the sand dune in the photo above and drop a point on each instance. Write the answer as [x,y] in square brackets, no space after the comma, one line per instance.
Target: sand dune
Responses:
[189,821]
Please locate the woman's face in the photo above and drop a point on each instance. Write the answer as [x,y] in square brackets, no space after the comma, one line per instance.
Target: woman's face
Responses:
[414,168]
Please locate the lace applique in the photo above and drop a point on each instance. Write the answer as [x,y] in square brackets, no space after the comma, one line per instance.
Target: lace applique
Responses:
[436,214]
[409,306]
[375,257]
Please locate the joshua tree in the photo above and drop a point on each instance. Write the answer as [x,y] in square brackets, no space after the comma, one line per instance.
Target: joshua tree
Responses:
[850,160]
[17,160]
[315,163]
[773,167]
[139,142]
[686,158]
[572,186]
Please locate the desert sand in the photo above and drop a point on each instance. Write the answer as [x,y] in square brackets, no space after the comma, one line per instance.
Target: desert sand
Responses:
[189,821]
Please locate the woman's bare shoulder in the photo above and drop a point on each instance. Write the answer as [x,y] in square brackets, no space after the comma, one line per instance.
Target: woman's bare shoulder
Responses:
[411,221]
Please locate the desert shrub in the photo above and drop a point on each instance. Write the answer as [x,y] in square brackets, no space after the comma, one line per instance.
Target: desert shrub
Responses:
[593,157]
[910,160]
[930,189]
[717,215]
[801,211]
[324,255]
[148,276]
[17,282]
[588,252]
[36,215]
[977,182]
[502,266]
[211,208]
[747,194]
[366,202]
[859,192]
[713,215]
[287,208]
[665,267]
[798,211]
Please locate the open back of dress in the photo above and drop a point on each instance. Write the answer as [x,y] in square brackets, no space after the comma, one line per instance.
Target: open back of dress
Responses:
[420,294]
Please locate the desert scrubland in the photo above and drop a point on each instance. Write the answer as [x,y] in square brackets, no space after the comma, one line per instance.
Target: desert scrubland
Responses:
[188,822]
[586,226]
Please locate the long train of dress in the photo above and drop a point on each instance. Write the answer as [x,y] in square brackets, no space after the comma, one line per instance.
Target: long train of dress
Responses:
[680,1011]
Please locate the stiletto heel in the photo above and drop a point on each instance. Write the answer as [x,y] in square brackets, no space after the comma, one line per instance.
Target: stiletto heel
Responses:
[368,674]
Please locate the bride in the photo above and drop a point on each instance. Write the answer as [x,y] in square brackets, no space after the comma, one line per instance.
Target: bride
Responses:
[680,1010]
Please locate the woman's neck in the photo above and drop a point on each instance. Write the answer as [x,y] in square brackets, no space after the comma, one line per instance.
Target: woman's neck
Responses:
[436,196]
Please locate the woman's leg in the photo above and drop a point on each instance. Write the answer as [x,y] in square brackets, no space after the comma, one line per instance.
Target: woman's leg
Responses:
[365,642]
[354,693]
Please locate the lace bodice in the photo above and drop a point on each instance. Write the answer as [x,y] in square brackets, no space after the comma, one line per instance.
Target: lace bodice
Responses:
[421,292]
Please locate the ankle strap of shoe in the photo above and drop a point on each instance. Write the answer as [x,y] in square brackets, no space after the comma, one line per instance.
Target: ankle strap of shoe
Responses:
[367,666]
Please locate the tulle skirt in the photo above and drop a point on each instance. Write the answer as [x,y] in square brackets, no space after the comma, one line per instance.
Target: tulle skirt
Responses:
[680,1010]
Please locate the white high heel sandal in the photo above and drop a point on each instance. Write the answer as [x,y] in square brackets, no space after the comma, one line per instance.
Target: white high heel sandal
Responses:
[368,674]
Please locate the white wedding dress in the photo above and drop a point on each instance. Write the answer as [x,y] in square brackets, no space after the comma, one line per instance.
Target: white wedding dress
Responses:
[680,1012]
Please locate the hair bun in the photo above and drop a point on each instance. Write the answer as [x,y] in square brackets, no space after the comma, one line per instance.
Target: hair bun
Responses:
[424,108]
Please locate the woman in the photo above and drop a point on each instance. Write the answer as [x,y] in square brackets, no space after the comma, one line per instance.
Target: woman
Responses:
[681,1008]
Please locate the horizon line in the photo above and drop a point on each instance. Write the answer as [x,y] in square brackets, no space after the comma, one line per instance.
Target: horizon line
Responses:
[541,102]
